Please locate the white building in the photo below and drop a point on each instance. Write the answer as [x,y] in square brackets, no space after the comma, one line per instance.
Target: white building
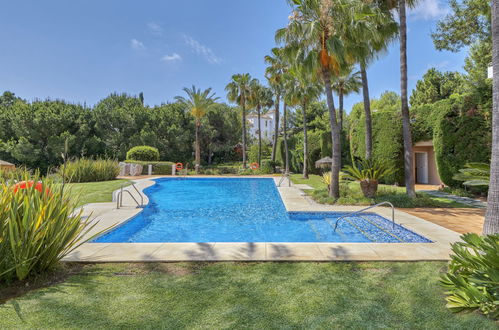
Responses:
[267,123]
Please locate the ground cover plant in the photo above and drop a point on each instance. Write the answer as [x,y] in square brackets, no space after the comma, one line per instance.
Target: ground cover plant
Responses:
[237,295]
[95,192]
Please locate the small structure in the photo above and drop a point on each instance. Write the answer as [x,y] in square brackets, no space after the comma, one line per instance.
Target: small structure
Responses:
[324,162]
[6,166]
[425,165]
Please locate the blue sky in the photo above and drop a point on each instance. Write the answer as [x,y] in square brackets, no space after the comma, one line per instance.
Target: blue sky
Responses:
[81,51]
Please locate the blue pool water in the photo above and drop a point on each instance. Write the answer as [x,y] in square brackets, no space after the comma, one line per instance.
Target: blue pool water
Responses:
[241,210]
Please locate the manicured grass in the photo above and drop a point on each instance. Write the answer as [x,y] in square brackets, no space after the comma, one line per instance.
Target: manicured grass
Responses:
[96,192]
[350,194]
[243,295]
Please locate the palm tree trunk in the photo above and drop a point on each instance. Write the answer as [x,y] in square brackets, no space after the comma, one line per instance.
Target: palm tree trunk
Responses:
[340,97]
[244,131]
[259,137]
[285,136]
[491,224]
[305,142]
[367,112]
[406,123]
[276,127]
[198,150]
[334,189]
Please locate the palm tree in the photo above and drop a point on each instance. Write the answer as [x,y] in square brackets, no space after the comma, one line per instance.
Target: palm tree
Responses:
[347,82]
[238,92]
[315,30]
[491,224]
[406,121]
[302,89]
[197,102]
[259,97]
[274,71]
[366,41]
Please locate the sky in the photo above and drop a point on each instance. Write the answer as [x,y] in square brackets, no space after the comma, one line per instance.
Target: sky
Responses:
[83,50]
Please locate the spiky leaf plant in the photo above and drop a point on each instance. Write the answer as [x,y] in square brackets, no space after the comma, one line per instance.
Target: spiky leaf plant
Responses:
[368,172]
[38,225]
[474,174]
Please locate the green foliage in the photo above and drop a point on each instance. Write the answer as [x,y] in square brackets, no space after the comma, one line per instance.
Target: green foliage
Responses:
[253,152]
[89,170]
[158,168]
[387,134]
[435,86]
[37,228]
[461,135]
[474,174]
[472,280]
[143,153]
[368,170]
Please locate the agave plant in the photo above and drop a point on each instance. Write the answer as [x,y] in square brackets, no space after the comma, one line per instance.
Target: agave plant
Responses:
[38,226]
[474,174]
[368,172]
[472,280]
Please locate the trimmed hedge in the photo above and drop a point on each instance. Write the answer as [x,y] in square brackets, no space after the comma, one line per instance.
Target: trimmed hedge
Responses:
[461,135]
[387,134]
[143,153]
[158,168]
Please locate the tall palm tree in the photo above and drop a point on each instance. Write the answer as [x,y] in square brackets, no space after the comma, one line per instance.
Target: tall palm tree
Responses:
[406,121]
[345,83]
[302,89]
[258,98]
[367,39]
[238,91]
[491,224]
[198,103]
[274,71]
[315,29]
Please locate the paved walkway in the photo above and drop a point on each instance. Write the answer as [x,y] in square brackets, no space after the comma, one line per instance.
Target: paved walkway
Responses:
[461,220]
[464,200]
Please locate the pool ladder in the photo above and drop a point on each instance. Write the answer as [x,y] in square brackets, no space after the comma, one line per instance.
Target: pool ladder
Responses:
[283,177]
[119,197]
[367,208]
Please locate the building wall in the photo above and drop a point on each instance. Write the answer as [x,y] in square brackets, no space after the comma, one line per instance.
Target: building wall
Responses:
[433,177]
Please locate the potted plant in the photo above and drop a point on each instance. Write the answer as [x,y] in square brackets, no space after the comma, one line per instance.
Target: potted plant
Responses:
[368,172]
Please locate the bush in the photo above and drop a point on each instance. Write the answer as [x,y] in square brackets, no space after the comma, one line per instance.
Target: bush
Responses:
[158,168]
[37,227]
[472,280]
[143,153]
[89,170]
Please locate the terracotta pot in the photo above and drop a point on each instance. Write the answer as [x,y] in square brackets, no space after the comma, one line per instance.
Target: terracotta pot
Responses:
[369,188]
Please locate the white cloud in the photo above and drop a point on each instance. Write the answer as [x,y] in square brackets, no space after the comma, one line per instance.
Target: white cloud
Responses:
[171,58]
[429,10]
[155,28]
[202,50]
[137,45]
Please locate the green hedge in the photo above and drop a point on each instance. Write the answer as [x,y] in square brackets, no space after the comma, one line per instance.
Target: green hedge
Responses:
[143,153]
[158,168]
[387,134]
[461,135]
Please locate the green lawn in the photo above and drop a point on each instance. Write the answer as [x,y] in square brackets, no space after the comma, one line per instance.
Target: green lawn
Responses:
[352,195]
[242,295]
[96,192]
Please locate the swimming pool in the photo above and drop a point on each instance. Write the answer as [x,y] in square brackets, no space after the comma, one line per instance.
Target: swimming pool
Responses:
[242,210]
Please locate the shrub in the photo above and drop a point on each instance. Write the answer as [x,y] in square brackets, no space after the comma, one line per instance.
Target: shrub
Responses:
[368,172]
[472,280]
[38,226]
[89,170]
[143,153]
[158,168]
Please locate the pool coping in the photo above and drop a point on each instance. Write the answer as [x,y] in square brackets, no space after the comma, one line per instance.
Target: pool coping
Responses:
[294,200]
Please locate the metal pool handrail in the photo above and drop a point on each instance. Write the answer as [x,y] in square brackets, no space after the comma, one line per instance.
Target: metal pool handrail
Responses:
[368,208]
[119,197]
[284,176]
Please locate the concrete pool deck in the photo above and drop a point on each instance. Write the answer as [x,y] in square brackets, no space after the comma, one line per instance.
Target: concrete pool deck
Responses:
[294,199]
